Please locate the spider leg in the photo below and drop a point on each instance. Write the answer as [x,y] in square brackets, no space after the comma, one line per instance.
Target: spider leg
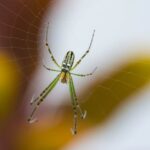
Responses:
[84,75]
[83,114]
[50,68]
[33,100]
[75,105]
[48,47]
[42,96]
[74,129]
[87,51]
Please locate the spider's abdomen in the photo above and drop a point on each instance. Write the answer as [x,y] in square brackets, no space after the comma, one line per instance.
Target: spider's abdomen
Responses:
[64,76]
[68,61]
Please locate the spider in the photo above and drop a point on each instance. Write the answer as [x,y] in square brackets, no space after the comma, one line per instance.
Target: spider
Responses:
[65,77]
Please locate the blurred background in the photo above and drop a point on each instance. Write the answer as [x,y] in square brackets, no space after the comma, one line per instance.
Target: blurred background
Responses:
[116,96]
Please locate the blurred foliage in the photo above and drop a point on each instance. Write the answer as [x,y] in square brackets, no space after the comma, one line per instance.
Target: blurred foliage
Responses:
[120,85]
[9,81]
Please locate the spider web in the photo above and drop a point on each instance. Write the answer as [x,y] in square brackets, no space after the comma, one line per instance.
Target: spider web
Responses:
[21,38]
[20,21]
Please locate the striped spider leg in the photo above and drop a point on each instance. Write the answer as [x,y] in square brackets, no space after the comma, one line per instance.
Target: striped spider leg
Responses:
[75,106]
[65,77]
[48,47]
[87,51]
[75,103]
[41,97]
[37,101]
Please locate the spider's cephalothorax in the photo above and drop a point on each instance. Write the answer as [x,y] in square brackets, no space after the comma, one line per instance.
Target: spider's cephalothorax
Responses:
[66,66]
[68,61]
[65,75]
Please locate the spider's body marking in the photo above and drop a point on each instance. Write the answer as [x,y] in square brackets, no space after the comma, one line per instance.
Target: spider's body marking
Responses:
[64,77]
[66,66]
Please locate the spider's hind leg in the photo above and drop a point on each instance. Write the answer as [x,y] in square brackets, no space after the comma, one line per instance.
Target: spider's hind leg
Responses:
[40,98]
[82,113]
[75,105]
[75,120]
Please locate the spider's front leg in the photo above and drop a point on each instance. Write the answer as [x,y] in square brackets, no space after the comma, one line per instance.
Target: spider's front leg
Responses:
[87,51]
[48,47]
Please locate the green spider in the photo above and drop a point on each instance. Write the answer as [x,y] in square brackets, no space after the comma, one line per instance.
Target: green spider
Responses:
[65,77]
